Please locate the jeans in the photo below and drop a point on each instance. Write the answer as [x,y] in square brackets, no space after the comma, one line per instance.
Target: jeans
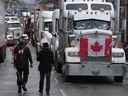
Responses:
[41,83]
[22,77]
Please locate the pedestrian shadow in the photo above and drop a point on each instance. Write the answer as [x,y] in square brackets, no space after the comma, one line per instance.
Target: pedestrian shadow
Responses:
[29,94]
[24,94]
[19,94]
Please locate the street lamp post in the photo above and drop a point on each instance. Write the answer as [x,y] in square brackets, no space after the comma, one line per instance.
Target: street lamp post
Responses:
[125,21]
[116,4]
[117,14]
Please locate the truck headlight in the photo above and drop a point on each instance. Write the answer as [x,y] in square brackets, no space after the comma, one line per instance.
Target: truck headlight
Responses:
[73,54]
[117,55]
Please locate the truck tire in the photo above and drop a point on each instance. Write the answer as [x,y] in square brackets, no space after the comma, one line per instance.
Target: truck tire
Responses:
[58,64]
[1,58]
[118,79]
[2,54]
[66,78]
[58,68]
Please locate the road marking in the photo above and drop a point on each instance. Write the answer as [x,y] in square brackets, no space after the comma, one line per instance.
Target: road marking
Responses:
[62,92]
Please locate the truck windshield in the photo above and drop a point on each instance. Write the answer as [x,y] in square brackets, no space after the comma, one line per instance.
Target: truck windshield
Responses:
[105,7]
[76,6]
[13,25]
[47,26]
[91,24]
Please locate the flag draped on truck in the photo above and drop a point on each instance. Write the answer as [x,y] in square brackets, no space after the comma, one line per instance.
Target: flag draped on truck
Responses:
[108,47]
[95,48]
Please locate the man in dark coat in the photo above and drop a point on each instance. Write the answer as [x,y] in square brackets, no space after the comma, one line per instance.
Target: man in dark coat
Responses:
[45,57]
[22,59]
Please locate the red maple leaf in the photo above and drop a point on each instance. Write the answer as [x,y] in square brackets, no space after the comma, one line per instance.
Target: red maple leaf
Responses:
[96,47]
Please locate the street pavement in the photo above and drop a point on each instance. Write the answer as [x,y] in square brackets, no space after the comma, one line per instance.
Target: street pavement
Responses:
[75,87]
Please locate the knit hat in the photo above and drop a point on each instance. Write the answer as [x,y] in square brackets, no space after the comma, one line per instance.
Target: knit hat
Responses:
[45,45]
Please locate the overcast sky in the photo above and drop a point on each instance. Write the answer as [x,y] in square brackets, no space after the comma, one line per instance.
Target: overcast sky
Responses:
[30,1]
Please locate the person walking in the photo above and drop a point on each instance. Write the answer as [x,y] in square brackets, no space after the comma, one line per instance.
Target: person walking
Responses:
[22,59]
[45,57]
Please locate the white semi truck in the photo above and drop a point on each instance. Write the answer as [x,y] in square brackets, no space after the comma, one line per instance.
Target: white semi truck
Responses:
[84,28]
[44,24]
[2,33]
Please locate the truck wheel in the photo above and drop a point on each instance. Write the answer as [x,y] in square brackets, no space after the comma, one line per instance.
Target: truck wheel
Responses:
[66,78]
[1,58]
[2,55]
[58,68]
[118,79]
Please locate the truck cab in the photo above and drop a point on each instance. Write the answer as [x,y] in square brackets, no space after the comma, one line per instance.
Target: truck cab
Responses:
[11,18]
[118,56]
[45,23]
[85,39]
[14,31]
[44,33]
[2,49]
[13,25]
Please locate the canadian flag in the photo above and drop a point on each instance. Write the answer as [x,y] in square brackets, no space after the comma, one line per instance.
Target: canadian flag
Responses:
[108,47]
[97,48]
[83,47]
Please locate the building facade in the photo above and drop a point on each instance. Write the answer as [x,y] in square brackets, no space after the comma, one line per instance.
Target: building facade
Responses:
[124,19]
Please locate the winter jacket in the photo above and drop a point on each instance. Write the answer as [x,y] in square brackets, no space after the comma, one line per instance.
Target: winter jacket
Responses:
[45,58]
[22,58]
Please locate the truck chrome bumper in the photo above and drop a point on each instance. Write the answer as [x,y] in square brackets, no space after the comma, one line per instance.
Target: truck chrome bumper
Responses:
[93,69]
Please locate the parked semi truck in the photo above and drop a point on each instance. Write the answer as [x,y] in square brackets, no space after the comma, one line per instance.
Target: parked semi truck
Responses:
[84,29]
[44,24]
[2,33]
[2,49]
